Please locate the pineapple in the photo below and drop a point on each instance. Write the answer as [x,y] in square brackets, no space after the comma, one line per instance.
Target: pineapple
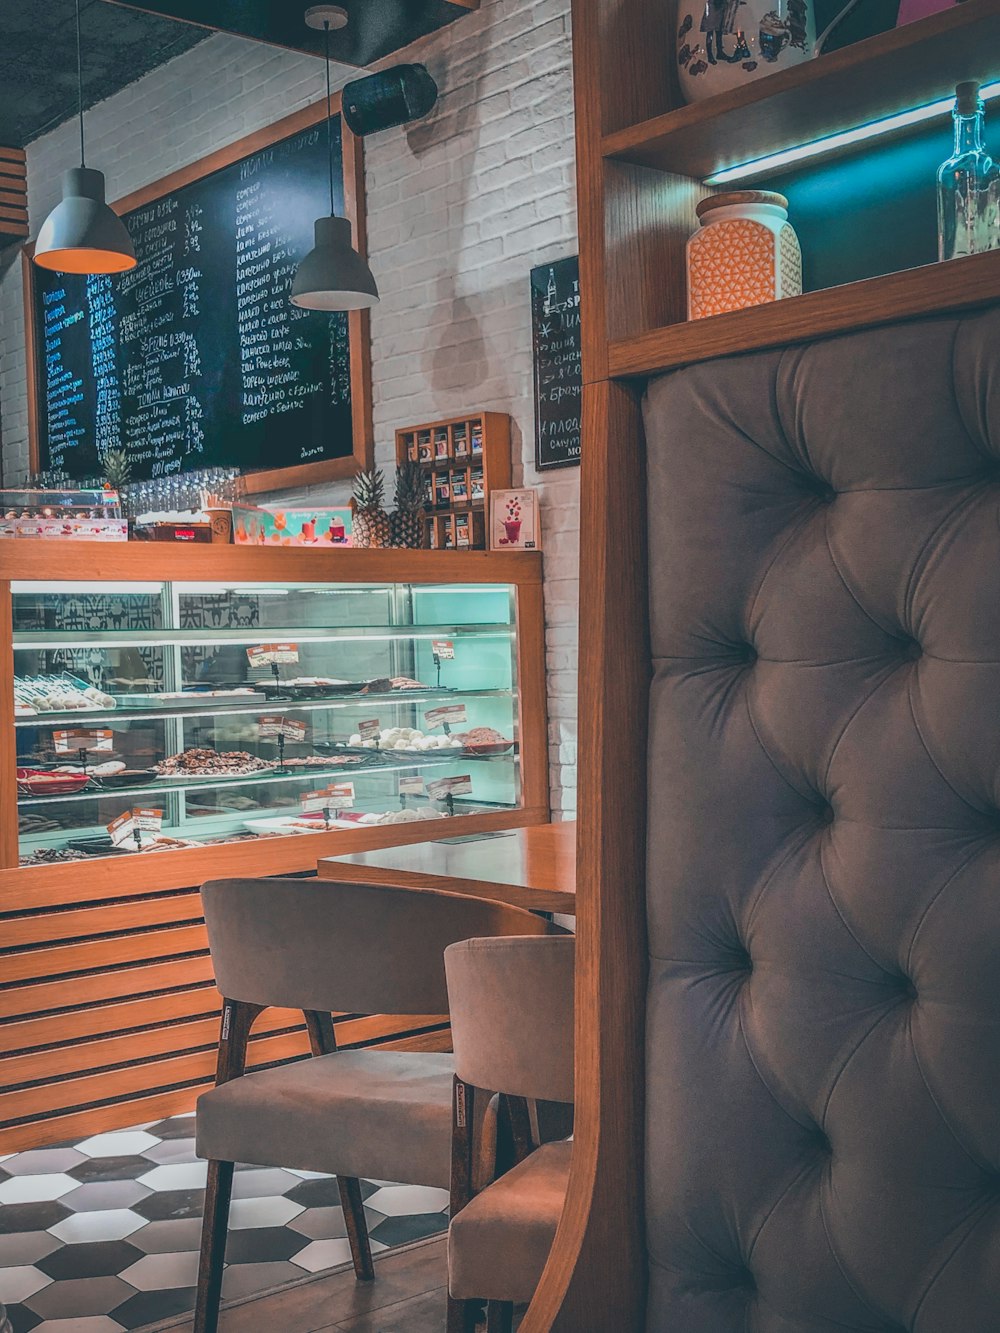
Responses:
[117,469]
[408,516]
[371,522]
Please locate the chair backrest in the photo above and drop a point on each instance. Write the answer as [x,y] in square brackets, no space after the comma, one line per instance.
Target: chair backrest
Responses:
[349,948]
[511,1004]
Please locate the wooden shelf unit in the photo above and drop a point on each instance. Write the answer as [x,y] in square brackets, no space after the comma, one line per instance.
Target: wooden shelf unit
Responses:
[463,459]
[642,157]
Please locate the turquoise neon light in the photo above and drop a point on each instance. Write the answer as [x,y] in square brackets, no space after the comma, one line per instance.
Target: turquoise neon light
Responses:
[768,165]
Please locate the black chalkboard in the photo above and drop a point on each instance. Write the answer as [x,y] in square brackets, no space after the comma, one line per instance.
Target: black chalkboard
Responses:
[196,358]
[555,324]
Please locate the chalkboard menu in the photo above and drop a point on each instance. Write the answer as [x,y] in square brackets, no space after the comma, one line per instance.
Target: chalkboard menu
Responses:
[196,358]
[555,323]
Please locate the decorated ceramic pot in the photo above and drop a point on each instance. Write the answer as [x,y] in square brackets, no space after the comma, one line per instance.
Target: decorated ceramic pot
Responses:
[722,44]
[744,253]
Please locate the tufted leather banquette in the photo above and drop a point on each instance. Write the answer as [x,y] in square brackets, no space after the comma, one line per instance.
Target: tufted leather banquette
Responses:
[823,1023]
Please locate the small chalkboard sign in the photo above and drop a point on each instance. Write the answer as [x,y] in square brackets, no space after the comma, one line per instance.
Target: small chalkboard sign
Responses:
[196,358]
[555,323]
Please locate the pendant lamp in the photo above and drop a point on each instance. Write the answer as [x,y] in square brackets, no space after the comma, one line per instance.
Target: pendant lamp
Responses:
[333,276]
[82,234]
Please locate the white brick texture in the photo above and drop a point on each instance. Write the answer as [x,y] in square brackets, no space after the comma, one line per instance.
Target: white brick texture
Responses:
[460,207]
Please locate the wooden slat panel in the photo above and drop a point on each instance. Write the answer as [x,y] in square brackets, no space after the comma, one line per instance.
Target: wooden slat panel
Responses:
[138,1078]
[90,1056]
[14,213]
[108,951]
[12,154]
[14,170]
[40,997]
[12,198]
[102,1019]
[92,922]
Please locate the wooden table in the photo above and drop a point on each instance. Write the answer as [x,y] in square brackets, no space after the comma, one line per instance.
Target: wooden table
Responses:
[529,867]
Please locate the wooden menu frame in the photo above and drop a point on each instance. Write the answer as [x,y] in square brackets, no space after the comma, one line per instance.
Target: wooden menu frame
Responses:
[304,474]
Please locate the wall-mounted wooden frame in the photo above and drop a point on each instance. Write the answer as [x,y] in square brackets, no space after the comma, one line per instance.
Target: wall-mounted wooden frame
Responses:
[306,474]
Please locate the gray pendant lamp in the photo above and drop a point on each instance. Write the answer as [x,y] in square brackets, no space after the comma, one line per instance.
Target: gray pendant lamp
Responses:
[333,276]
[82,234]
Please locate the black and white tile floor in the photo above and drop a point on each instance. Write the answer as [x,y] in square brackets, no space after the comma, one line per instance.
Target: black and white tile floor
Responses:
[102,1236]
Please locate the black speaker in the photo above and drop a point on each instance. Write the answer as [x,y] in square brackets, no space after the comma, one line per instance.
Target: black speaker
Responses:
[392,97]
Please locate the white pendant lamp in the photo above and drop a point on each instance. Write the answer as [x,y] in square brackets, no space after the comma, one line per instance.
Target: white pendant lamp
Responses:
[82,234]
[333,276]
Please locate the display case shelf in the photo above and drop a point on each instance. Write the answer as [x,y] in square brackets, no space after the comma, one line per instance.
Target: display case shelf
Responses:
[166,638]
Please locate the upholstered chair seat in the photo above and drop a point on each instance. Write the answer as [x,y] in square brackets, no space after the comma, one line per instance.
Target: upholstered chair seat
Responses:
[498,1243]
[339,1113]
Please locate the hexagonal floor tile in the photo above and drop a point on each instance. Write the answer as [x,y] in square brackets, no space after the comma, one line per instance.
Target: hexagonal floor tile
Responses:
[102,1194]
[42,1161]
[114,1224]
[32,1216]
[22,1319]
[97,1323]
[400,1230]
[261,1184]
[92,1169]
[169,1237]
[262,1245]
[170,1151]
[408,1200]
[163,1272]
[172,1203]
[97,1258]
[321,1223]
[36,1189]
[149,1307]
[26,1247]
[177,1176]
[124,1143]
[77,1300]
[176,1127]
[322,1193]
[21,1282]
[320,1254]
[273,1212]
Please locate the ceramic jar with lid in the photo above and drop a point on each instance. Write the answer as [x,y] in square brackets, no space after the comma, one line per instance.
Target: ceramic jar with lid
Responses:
[744,253]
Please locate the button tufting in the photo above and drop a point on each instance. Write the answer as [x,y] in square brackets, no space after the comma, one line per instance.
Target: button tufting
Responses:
[821,1143]
[824,813]
[820,490]
[906,987]
[911,650]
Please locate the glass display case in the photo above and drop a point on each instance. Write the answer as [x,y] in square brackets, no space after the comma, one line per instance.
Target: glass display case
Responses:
[156,715]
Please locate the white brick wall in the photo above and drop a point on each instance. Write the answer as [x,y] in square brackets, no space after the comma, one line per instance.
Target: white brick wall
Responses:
[460,207]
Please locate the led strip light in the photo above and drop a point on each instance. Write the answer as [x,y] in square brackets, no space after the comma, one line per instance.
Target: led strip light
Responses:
[770,164]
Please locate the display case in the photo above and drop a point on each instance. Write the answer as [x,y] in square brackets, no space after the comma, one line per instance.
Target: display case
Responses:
[156,715]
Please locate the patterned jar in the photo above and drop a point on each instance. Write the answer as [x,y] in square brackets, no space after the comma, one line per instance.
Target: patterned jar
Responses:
[744,253]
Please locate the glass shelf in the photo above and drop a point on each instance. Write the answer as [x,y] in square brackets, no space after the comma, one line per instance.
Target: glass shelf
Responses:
[128,638]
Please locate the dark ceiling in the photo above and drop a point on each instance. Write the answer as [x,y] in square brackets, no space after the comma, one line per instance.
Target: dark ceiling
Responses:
[123,41]
[376,28]
[38,59]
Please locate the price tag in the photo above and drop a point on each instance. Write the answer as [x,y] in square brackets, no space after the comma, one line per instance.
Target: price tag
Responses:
[447,713]
[75,740]
[271,654]
[443,649]
[293,729]
[461,786]
[338,796]
[130,822]
[370,729]
[411,786]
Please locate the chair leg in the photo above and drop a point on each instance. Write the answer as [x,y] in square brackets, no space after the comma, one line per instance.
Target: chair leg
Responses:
[357,1227]
[215,1226]
[463,1316]
[499,1317]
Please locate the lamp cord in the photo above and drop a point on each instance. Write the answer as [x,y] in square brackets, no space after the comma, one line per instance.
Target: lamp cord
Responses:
[79,81]
[329,107]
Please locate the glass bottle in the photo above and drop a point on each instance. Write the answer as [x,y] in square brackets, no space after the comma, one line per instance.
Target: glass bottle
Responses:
[967,184]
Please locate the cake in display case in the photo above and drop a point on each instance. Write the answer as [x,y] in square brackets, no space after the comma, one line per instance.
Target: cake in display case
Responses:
[155,715]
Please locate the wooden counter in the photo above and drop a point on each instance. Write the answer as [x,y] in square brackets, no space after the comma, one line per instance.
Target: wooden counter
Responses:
[530,867]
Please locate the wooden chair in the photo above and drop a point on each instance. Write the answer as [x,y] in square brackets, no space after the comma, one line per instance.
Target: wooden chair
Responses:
[511,1004]
[323,948]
